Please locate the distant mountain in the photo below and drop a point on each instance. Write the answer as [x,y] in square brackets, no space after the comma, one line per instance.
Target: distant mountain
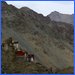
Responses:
[51,42]
[59,17]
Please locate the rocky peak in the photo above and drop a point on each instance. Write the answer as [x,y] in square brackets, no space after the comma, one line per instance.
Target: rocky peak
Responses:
[60,17]
[25,9]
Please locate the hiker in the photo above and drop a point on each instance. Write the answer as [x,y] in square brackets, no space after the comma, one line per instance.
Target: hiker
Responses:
[51,70]
[30,57]
[16,46]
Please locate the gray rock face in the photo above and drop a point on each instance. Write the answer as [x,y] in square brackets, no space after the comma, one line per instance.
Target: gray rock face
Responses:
[50,41]
[59,17]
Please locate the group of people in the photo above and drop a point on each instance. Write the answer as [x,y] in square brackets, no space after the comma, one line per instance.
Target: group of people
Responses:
[18,51]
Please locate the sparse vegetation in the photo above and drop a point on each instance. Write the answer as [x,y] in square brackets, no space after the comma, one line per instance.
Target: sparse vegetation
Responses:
[50,41]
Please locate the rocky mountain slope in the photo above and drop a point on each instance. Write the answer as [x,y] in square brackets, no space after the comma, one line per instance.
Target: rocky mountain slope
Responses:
[50,41]
[59,17]
[11,64]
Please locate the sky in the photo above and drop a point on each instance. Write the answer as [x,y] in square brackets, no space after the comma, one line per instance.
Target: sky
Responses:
[46,7]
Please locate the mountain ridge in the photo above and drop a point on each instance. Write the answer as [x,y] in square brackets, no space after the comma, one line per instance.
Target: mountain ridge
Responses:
[51,42]
[59,17]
